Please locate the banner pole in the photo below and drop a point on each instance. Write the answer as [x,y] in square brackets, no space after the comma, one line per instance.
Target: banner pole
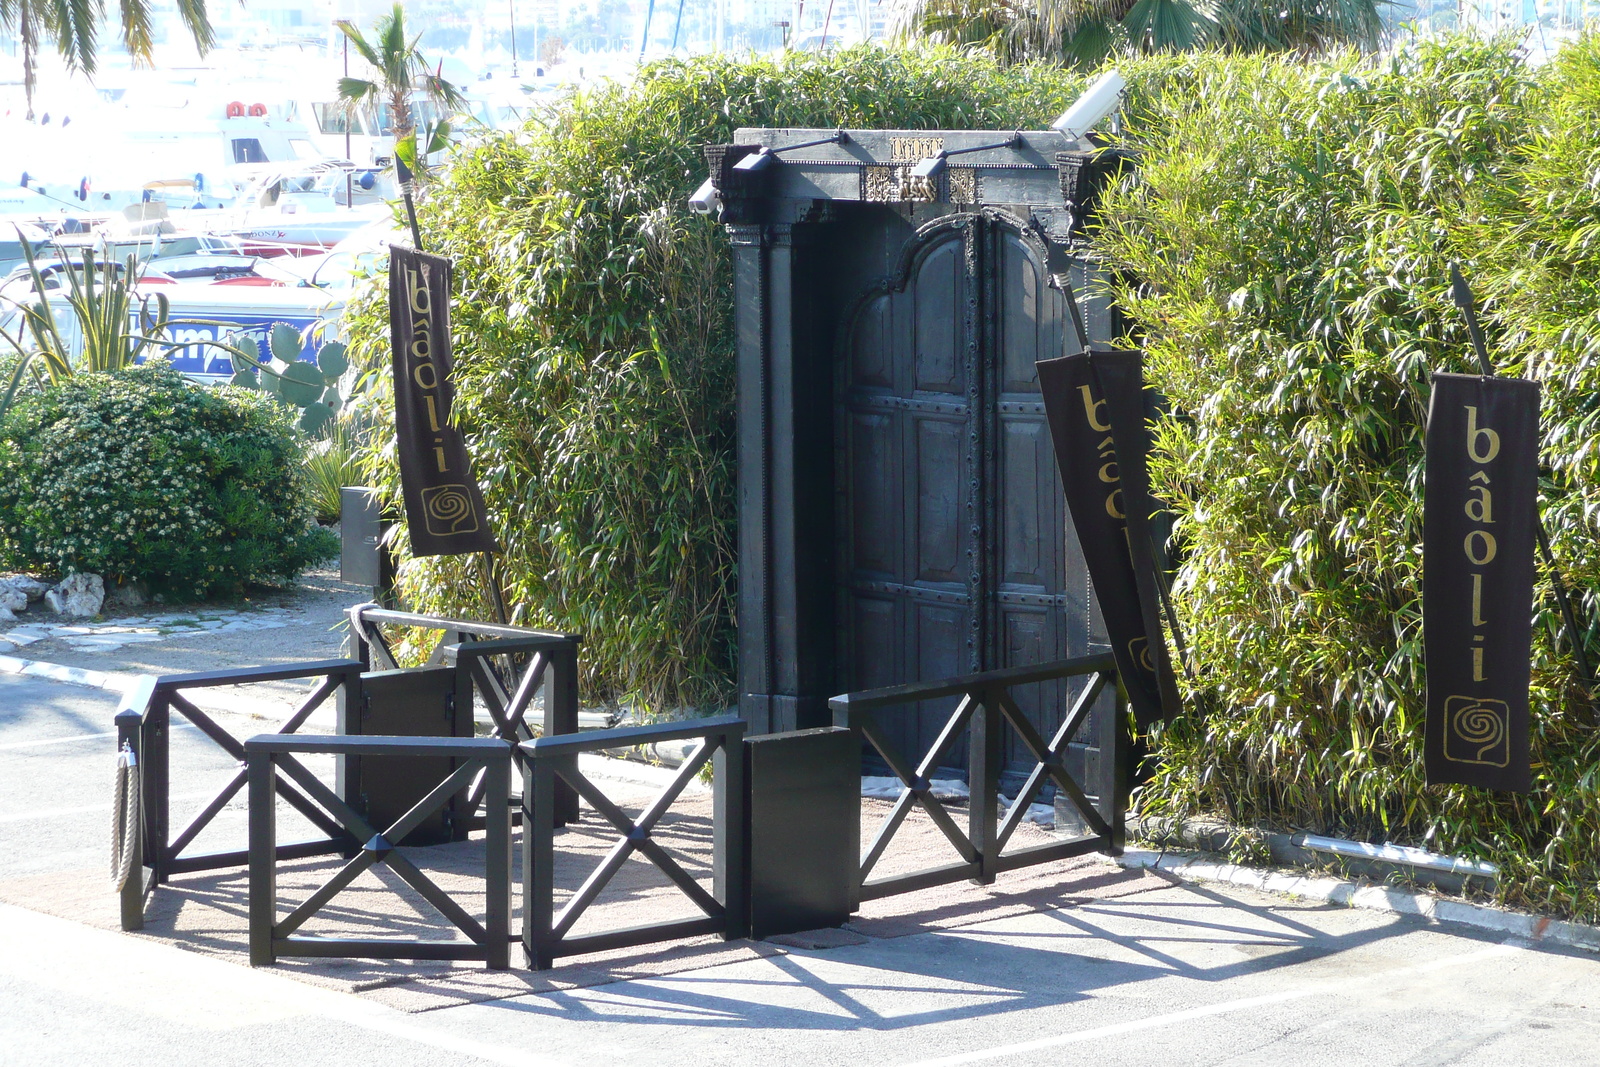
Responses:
[403,172]
[1064,281]
[1461,293]
[1163,586]
[497,596]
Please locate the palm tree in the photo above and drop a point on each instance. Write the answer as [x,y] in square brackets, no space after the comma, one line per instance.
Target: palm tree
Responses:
[399,71]
[1085,32]
[73,27]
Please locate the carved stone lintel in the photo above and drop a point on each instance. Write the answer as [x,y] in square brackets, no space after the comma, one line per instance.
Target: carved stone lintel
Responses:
[744,234]
[880,185]
[963,185]
[896,185]
[1083,175]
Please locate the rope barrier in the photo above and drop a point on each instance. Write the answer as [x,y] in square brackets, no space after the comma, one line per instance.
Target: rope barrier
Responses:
[124,816]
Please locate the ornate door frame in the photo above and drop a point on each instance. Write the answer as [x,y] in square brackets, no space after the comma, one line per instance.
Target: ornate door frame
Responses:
[785,373]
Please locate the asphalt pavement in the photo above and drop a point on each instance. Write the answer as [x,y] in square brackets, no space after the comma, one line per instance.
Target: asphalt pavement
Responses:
[1182,974]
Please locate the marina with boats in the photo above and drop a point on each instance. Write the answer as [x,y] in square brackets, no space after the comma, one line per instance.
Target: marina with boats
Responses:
[247,190]
[240,186]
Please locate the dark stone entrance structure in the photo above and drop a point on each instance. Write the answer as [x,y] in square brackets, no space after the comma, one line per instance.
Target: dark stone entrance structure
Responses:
[900,515]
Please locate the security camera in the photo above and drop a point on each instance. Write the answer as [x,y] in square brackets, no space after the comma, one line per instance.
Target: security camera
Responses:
[1098,101]
[707,200]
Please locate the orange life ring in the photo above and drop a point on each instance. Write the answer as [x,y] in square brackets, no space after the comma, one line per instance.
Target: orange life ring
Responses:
[236,109]
[258,110]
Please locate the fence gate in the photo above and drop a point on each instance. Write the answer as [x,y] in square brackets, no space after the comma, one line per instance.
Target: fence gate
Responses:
[901,519]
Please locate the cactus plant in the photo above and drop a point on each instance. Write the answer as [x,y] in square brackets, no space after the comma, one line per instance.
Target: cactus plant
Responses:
[313,387]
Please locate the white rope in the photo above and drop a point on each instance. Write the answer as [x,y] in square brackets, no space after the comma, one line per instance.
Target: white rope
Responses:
[124,816]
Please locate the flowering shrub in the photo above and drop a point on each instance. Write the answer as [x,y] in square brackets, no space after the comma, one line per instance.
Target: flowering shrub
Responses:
[140,475]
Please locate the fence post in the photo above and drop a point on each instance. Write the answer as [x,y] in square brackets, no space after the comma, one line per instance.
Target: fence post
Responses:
[497,878]
[538,860]
[561,717]
[1121,750]
[132,894]
[263,865]
[984,745]
[347,720]
[730,879]
[157,736]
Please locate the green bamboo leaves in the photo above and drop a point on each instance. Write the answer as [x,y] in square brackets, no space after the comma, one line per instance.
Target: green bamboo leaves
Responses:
[1285,256]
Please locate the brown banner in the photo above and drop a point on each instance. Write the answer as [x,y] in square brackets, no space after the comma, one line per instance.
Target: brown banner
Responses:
[1094,402]
[1479,517]
[445,513]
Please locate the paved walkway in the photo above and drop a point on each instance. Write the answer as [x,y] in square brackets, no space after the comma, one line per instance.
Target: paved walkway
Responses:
[1106,971]
[1181,975]
[1173,973]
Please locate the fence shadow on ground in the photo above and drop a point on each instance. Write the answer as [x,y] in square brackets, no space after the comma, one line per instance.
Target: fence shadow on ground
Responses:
[1155,934]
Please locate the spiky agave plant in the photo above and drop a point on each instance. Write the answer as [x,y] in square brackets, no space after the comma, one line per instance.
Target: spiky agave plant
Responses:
[111,325]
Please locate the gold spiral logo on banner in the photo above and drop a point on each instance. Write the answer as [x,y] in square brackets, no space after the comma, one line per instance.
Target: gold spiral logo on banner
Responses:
[1477,731]
[447,510]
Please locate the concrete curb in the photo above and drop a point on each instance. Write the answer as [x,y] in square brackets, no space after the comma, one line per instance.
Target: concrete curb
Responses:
[116,681]
[1289,850]
[1202,868]
[119,681]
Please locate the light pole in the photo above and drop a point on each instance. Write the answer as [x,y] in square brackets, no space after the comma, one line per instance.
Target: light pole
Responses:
[345,27]
[349,175]
[513,5]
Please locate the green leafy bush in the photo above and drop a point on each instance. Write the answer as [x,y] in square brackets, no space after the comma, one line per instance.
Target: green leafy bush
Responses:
[141,475]
[1285,255]
[594,347]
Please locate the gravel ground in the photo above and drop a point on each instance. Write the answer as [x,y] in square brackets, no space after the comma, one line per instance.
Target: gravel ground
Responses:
[301,622]
[267,625]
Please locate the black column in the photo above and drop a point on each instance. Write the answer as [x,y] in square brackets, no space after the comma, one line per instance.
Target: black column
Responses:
[785,483]
[750,278]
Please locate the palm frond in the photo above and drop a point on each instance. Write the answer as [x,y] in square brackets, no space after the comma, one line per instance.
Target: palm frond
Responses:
[444,92]
[198,21]
[74,25]
[136,31]
[1167,26]
[1084,33]
[359,42]
[1093,42]
[357,90]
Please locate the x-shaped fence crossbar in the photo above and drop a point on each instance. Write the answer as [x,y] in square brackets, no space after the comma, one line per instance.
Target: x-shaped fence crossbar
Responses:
[509,667]
[985,707]
[549,661]
[547,935]
[144,725]
[271,937]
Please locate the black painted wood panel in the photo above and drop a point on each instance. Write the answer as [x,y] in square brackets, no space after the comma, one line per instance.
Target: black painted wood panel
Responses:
[952,524]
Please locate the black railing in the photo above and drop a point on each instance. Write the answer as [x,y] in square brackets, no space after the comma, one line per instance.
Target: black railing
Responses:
[546,935]
[509,667]
[272,756]
[144,724]
[986,707]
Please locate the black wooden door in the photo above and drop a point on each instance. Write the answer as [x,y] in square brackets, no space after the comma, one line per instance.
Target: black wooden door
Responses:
[953,547]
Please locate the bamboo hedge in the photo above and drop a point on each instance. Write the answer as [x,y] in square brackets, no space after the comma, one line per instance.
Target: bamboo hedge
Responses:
[1282,254]
[1285,253]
